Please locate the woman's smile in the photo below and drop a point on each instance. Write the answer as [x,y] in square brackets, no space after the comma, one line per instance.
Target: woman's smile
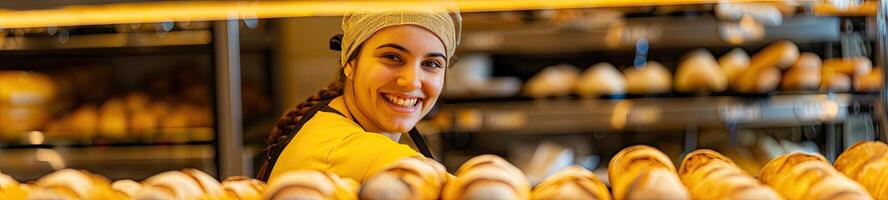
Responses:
[401,102]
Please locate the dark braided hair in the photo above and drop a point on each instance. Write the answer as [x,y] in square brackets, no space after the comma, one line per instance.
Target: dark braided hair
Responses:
[287,122]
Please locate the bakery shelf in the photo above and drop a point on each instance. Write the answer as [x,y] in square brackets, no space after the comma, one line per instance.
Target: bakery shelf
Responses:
[560,116]
[662,32]
[177,136]
[109,44]
[116,162]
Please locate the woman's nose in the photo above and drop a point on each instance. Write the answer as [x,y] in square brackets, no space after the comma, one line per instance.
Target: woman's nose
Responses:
[409,77]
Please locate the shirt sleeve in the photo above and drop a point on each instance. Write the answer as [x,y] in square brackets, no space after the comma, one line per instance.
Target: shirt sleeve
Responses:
[363,154]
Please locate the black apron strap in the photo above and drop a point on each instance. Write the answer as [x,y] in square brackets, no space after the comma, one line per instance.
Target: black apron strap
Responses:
[275,152]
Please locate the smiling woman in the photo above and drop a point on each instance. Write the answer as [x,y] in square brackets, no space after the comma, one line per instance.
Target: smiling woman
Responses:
[391,74]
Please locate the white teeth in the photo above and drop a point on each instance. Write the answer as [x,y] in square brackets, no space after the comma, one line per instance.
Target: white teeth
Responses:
[408,102]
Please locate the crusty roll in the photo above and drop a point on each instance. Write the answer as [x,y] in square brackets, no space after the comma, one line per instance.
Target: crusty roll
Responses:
[867,163]
[784,162]
[804,74]
[834,81]
[758,80]
[113,119]
[558,80]
[487,177]
[73,184]
[128,188]
[10,188]
[311,184]
[871,82]
[643,172]
[699,72]
[409,178]
[573,182]
[808,176]
[711,175]
[652,78]
[781,54]
[243,188]
[852,66]
[601,79]
[182,184]
[734,63]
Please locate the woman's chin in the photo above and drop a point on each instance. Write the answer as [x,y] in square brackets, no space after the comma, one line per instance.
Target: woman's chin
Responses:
[401,125]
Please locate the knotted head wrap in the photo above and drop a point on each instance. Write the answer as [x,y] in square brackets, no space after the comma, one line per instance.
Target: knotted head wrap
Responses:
[360,25]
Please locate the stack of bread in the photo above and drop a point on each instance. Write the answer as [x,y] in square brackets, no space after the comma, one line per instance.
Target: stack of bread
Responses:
[558,80]
[601,79]
[763,73]
[243,188]
[11,189]
[181,184]
[804,74]
[128,188]
[25,100]
[73,184]
[734,63]
[871,82]
[700,72]
[409,178]
[643,172]
[573,182]
[311,184]
[711,175]
[838,72]
[651,78]
[809,176]
[867,163]
[487,177]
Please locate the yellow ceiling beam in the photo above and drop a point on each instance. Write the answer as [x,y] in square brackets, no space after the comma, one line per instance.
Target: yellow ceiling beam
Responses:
[152,12]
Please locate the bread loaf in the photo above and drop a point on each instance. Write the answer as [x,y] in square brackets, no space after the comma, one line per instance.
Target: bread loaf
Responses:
[807,176]
[699,72]
[804,74]
[573,182]
[409,178]
[243,188]
[10,188]
[73,184]
[653,78]
[734,63]
[852,66]
[871,82]
[781,55]
[487,177]
[182,184]
[758,80]
[601,79]
[128,188]
[867,163]
[833,81]
[643,172]
[558,80]
[311,184]
[710,175]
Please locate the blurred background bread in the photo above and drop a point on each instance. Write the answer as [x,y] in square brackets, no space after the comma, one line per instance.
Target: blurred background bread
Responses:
[651,78]
[700,72]
[601,79]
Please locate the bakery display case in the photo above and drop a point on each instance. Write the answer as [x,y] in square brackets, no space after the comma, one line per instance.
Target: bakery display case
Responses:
[548,100]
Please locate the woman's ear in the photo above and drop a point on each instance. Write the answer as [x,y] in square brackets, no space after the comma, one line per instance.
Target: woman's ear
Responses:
[349,70]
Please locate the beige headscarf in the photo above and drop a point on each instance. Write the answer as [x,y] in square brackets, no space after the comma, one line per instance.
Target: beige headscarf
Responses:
[358,26]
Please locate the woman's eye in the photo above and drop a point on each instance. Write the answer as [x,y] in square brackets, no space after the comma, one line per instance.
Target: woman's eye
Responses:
[432,64]
[392,57]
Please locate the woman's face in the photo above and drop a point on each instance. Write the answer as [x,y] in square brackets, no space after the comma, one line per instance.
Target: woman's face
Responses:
[398,76]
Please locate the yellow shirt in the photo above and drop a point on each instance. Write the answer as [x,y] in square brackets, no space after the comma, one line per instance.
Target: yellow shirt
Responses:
[333,143]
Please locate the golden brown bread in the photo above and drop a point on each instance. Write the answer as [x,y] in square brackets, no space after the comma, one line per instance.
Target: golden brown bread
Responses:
[573,182]
[785,162]
[734,63]
[409,178]
[781,54]
[10,188]
[181,184]
[243,188]
[311,184]
[804,74]
[558,80]
[871,82]
[643,172]
[601,79]
[867,163]
[711,175]
[73,184]
[758,80]
[652,78]
[809,176]
[699,72]
[487,177]
[852,66]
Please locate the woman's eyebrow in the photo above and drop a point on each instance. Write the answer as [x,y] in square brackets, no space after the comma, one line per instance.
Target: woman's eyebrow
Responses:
[436,54]
[393,45]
